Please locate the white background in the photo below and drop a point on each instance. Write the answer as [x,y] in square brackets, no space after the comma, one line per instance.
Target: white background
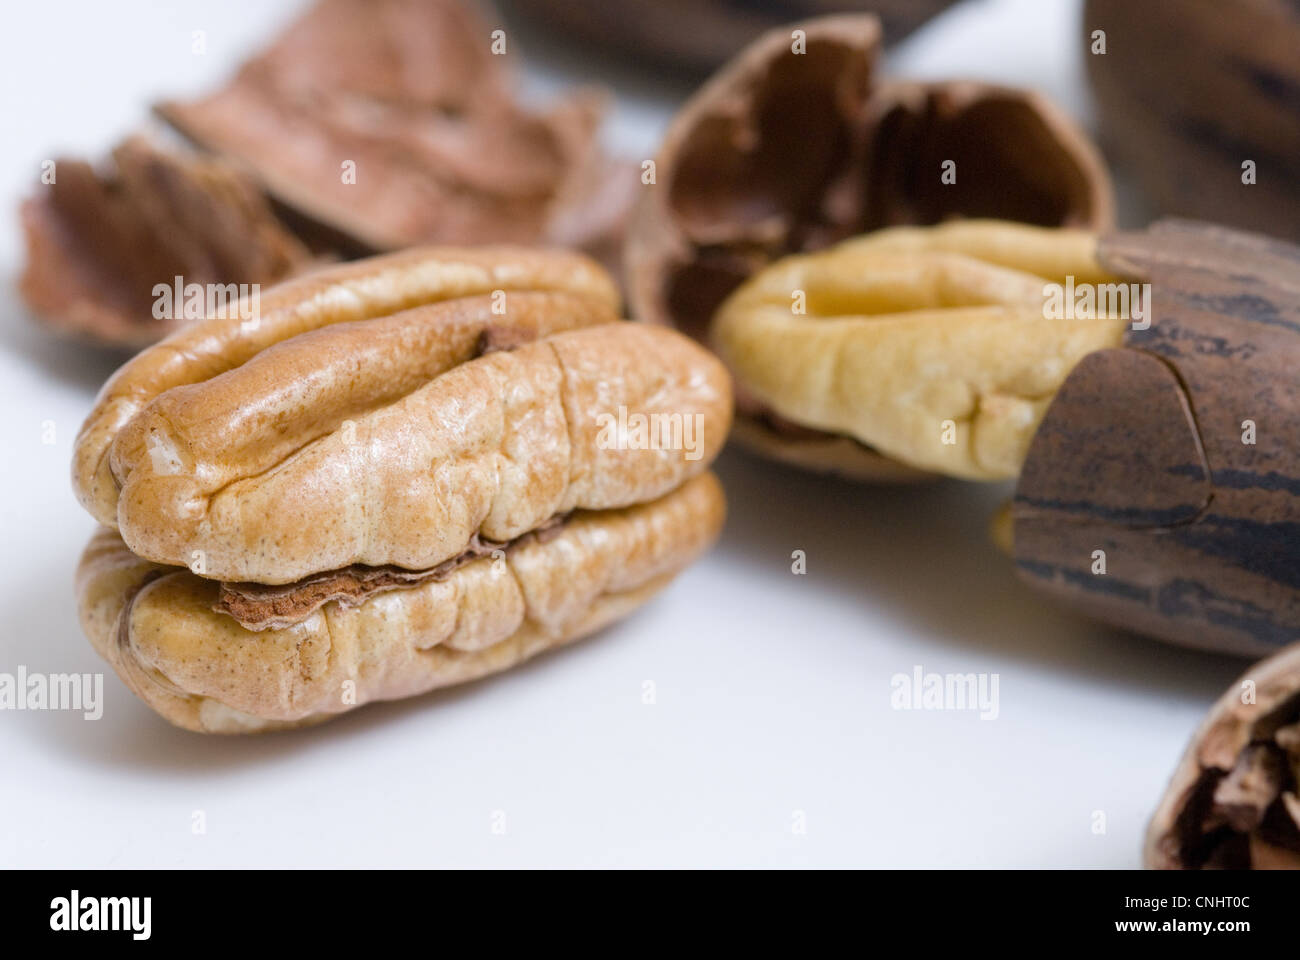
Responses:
[773,691]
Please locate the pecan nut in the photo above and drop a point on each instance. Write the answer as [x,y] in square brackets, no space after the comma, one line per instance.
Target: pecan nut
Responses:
[794,146]
[405,472]
[1178,453]
[928,345]
[1153,428]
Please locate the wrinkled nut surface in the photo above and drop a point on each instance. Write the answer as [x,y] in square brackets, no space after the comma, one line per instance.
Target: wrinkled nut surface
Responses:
[929,344]
[406,472]
[1178,455]
[1233,802]
[784,152]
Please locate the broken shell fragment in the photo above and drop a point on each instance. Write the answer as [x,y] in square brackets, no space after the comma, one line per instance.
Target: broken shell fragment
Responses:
[1233,803]
[390,123]
[100,243]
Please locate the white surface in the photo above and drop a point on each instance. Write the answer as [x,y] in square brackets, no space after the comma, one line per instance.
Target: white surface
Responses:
[773,691]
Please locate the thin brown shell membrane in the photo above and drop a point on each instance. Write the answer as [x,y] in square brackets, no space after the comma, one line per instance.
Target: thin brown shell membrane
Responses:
[1233,803]
[1161,492]
[1188,91]
[784,152]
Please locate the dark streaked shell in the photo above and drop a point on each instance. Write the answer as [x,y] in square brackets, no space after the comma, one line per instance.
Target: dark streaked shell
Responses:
[1141,454]
[1190,89]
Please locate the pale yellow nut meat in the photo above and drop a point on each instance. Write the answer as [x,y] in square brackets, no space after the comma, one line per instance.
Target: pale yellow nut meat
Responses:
[201,670]
[1046,252]
[368,289]
[930,345]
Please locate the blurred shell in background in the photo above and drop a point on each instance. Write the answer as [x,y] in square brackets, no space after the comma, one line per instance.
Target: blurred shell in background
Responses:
[98,241]
[1189,90]
[365,125]
[700,35]
[410,93]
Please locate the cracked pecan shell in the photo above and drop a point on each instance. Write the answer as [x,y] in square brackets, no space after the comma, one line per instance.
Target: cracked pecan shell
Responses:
[390,123]
[1233,801]
[1177,453]
[99,241]
[1155,438]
